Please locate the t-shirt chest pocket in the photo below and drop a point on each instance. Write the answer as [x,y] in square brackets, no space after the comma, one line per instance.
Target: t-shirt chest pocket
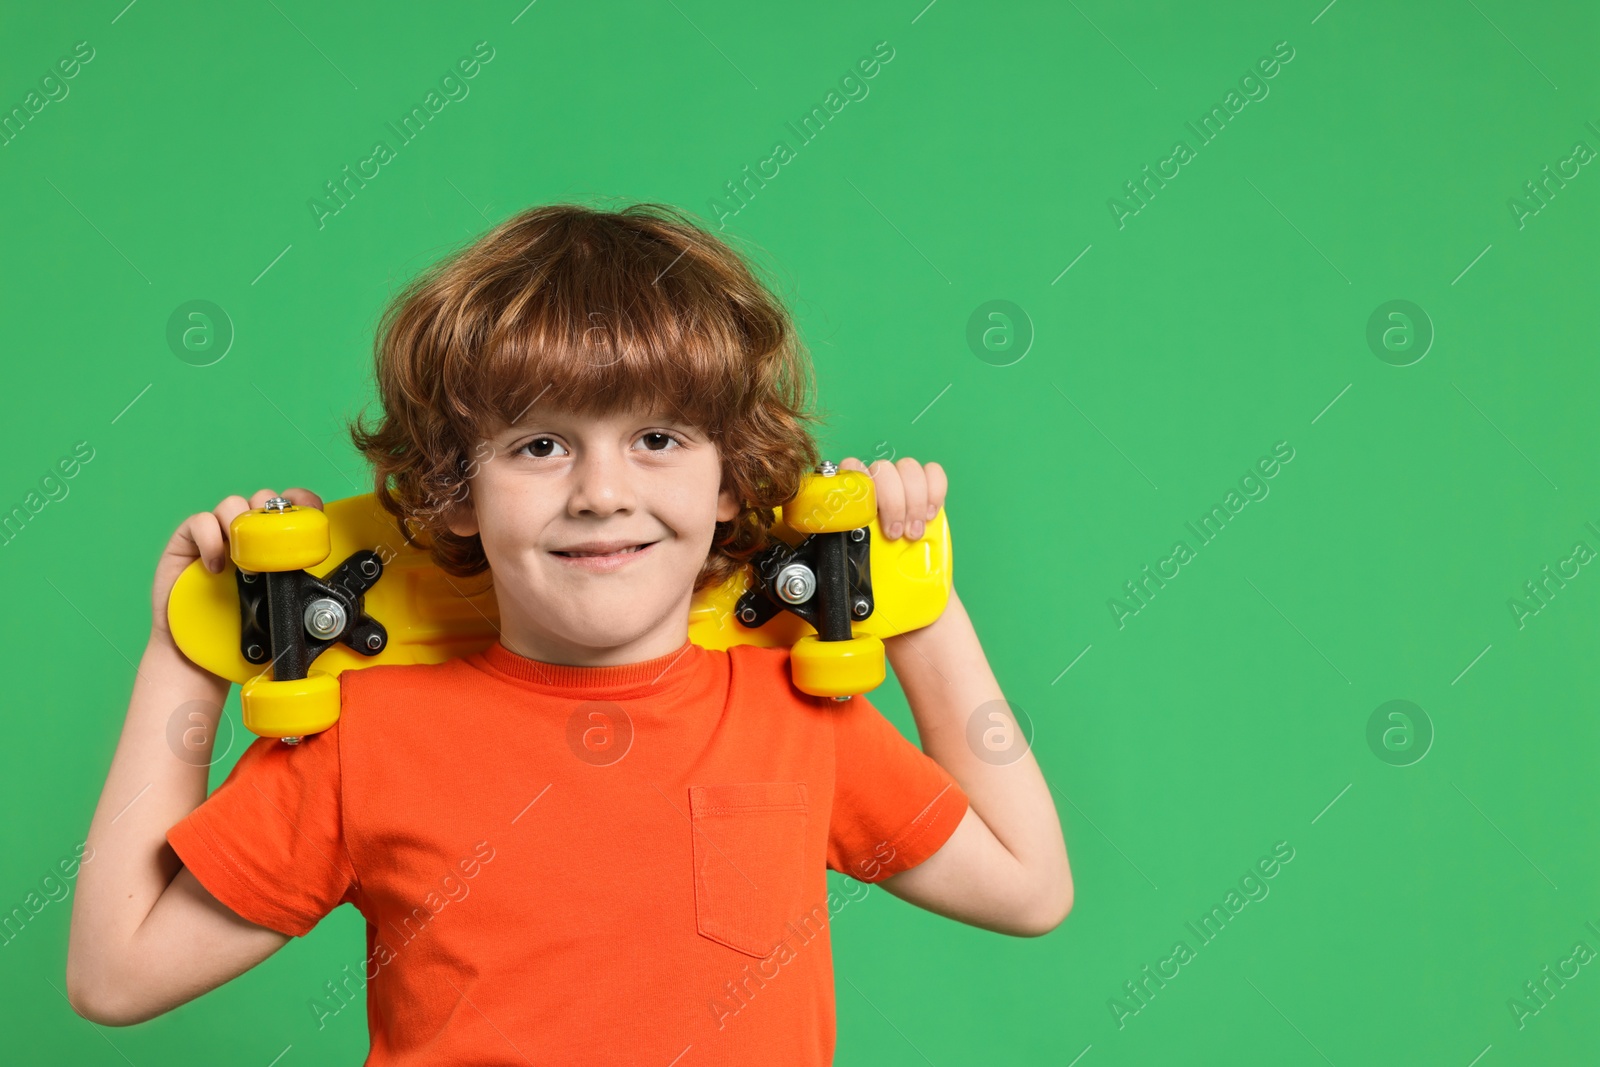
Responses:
[749,861]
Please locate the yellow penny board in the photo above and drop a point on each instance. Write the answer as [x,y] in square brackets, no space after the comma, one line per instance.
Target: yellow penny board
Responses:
[432,616]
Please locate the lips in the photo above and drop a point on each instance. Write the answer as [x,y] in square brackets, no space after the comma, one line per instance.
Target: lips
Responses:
[597,549]
[619,552]
[601,557]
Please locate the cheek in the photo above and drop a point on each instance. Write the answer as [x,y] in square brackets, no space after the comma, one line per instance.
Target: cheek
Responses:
[694,504]
[509,523]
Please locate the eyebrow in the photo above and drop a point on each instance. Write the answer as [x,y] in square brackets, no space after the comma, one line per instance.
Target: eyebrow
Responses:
[530,423]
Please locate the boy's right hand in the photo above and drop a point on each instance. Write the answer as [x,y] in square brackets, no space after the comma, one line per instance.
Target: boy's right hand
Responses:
[204,536]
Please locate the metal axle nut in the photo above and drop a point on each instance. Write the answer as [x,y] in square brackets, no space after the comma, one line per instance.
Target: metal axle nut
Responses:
[795,583]
[324,618]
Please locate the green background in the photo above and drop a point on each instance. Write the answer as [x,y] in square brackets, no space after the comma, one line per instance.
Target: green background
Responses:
[1228,315]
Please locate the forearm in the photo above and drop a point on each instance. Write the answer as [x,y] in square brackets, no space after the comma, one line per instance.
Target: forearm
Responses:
[158,775]
[948,682]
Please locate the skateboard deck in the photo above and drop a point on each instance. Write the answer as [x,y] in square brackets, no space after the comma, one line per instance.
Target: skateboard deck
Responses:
[431,616]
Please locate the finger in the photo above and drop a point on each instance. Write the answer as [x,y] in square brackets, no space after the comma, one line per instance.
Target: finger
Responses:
[203,531]
[230,508]
[261,496]
[303,497]
[891,498]
[851,463]
[938,488]
[916,484]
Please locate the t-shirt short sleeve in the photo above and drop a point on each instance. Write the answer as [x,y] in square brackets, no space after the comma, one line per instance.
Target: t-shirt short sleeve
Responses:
[893,805]
[269,841]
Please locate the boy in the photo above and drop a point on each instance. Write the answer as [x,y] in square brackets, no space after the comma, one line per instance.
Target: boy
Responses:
[593,842]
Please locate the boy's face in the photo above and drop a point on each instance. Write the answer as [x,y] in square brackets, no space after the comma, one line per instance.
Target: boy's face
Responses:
[562,503]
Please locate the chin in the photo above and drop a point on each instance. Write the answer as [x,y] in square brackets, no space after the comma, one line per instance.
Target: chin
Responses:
[601,633]
[606,628]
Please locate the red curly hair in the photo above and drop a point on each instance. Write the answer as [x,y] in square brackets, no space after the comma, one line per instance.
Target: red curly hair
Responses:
[599,312]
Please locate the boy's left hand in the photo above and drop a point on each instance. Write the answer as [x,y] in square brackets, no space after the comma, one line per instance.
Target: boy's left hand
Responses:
[909,493]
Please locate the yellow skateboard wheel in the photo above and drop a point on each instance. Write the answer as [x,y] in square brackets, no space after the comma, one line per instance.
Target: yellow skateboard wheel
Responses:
[832,503]
[293,708]
[836,668]
[288,540]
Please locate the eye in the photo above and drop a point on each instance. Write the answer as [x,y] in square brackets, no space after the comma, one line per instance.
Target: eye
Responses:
[540,448]
[657,441]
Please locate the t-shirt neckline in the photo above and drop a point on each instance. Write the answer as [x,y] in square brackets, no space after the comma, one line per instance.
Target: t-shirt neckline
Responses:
[646,676]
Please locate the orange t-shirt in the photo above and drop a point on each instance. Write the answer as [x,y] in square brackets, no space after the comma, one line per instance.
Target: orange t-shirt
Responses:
[599,865]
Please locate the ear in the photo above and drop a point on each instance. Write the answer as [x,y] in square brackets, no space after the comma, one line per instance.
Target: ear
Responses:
[462,519]
[728,506]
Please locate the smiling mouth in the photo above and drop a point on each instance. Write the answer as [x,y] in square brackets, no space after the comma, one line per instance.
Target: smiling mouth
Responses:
[602,555]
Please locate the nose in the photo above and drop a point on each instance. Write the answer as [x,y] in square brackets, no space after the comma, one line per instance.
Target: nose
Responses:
[601,484]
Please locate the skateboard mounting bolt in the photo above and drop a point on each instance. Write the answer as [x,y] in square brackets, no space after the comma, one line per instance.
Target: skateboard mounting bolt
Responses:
[248,576]
[860,607]
[374,642]
[795,583]
[747,615]
[277,503]
[290,740]
[858,534]
[369,568]
[827,468]
[841,698]
[254,652]
[324,617]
